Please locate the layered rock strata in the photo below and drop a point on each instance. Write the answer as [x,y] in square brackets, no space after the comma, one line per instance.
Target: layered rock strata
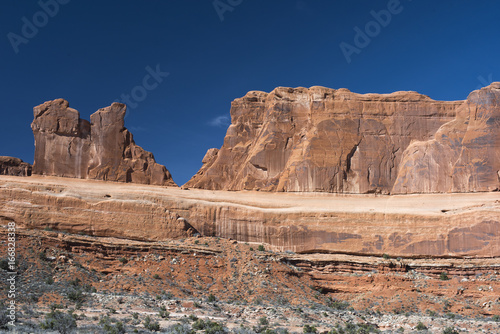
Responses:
[14,166]
[102,149]
[444,225]
[320,139]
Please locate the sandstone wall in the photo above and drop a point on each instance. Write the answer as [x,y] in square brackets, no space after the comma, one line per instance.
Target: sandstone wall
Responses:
[321,139]
[405,225]
[101,149]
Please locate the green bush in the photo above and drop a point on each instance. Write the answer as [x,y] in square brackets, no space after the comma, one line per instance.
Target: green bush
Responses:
[164,313]
[421,326]
[211,298]
[309,329]
[107,325]
[4,264]
[261,248]
[444,276]
[151,325]
[338,304]
[56,320]
[263,321]
[450,330]
[76,295]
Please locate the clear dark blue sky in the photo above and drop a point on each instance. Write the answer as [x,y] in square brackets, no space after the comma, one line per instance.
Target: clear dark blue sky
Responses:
[90,52]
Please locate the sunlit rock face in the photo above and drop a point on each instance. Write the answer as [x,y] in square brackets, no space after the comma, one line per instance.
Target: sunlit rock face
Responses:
[101,149]
[320,139]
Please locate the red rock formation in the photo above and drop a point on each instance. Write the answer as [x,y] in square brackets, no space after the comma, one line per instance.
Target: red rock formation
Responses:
[405,225]
[321,139]
[14,166]
[102,149]
[463,156]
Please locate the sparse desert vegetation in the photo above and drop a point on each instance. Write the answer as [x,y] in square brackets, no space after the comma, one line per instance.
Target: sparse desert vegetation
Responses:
[214,285]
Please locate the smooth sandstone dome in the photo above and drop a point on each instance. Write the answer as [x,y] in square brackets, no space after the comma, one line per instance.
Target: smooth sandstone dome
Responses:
[327,140]
[102,149]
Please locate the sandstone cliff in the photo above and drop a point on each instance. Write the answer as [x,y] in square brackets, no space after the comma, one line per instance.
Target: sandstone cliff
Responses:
[14,166]
[320,139]
[407,225]
[101,149]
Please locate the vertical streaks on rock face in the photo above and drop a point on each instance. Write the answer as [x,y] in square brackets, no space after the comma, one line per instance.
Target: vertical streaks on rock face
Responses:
[101,149]
[320,139]
[463,156]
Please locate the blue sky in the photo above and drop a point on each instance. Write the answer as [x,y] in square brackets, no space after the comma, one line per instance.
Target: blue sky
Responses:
[91,52]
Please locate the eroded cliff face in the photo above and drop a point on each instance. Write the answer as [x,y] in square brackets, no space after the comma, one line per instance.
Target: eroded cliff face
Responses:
[14,166]
[102,149]
[463,155]
[320,139]
[410,225]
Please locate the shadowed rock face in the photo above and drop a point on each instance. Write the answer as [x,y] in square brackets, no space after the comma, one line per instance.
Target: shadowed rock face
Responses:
[102,149]
[320,139]
[14,166]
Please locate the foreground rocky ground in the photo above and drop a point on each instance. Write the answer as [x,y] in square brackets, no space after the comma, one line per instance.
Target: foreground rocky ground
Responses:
[107,285]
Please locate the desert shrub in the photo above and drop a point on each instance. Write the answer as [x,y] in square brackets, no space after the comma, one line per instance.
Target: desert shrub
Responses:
[156,276]
[123,260]
[62,322]
[42,256]
[354,329]
[108,327]
[151,325]
[179,329]
[49,280]
[4,264]
[421,326]
[309,329]
[76,282]
[443,276]
[211,298]
[450,330]
[210,327]
[242,330]
[431,313]
[4,320]
[386,257]
[163,312]
[76,295]
[261,248]
[338,304]
[496,318]
[263,321]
